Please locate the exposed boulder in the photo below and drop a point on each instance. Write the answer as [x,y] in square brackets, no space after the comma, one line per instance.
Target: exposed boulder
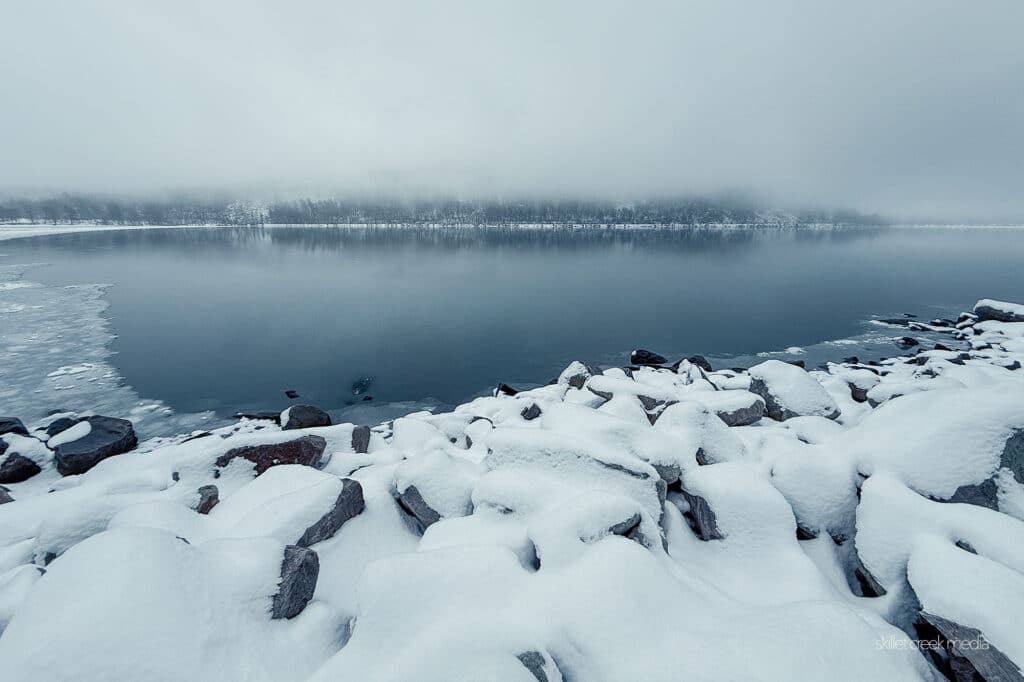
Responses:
[985,494]
[504,389]
[964,655]
[907,342]
[299,571]
[361,439]
[530,412]
[645,357]
[576,374]
[348,505]
[59,425]
[291,394]
[306,450]
[700,361]
[412,502]
[209,496]
[12,425]
[702,517]
[16,468]
[1001,311]
[107,436]
[304,417]
[536,663]
[789,391]
[5,495]
[735,408]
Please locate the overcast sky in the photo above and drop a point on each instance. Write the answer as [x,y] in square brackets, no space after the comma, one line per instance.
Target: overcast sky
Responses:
[910,107]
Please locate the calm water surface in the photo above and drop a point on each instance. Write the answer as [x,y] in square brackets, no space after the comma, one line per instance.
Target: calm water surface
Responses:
[226,319]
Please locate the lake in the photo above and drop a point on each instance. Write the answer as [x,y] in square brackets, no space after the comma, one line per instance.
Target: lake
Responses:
[227,319]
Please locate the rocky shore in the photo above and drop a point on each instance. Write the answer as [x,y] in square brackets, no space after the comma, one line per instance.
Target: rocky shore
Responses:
[661,521]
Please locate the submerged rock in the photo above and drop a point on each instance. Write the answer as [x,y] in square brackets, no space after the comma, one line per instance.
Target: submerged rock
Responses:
[304,417]
[16,468]
[349,505]
[645,357]
[107,436]
[299,571]
[306,450]
[12,425]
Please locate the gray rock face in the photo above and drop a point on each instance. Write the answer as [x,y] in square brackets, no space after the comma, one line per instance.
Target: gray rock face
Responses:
[534,662]
[774,407]
[304,417]
[12,425]
[869,585]
[412,502]
[642,356]
[299,571]
[306,450]
[984,311]
[705,524]
[58,425]
[108,437]
[985,494]
[743,416]
[5,495]
[209,496]
[17,468]
[361,439]
[349,505]
[963,658]
[530,412]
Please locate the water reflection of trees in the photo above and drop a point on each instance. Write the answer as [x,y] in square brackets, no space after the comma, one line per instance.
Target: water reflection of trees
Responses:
[328,239]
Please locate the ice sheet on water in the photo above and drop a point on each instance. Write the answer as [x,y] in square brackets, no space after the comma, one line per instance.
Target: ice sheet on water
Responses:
[54,355]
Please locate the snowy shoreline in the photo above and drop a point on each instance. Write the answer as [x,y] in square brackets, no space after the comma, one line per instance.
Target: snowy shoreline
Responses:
[635,523]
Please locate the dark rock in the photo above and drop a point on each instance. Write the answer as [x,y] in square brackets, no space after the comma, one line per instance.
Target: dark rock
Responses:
[12,425]
[798,363]
[702,517]
[5,495]
[986,312]
[743,416]
[668,472]
[349,505]
[291,394]
[361,439]
[197,436]
[534,662]
[367,398]
[906,342]
[306,450]
[530,412]
[869,585]
[852,360]
[209,496]
[772,407]
[58,425]
[645,358]
[299,571]
[607,395]
[108,437]
[629,529]
[579,378]
[896,321]
[966,546]
[304,417]
[701,362]
[504,389]
[804,533]
[412,502]
[940,346]
[984,494]
[262,416]
[963,654]
[1013,366]
[17,468]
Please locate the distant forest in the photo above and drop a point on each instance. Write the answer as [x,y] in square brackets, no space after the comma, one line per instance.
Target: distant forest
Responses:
[79,208]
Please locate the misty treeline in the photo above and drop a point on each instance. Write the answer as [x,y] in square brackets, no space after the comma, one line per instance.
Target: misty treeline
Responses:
[76,208]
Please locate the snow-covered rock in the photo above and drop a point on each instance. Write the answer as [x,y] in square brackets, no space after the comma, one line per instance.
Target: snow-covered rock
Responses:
[789,391]
[1001,311]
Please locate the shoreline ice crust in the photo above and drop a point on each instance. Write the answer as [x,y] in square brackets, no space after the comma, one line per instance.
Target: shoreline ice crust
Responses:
[641,523]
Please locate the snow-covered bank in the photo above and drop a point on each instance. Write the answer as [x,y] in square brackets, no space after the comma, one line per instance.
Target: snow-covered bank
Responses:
[647,523]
